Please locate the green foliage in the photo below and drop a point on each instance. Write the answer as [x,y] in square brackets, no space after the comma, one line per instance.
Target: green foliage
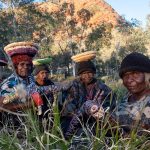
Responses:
[64,60]
[133,40]
[100,37]
[25,22]
[16,3]
[64,32]
[137,41]
[6,29]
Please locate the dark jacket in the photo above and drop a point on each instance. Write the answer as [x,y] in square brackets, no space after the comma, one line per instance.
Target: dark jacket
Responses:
[76,105]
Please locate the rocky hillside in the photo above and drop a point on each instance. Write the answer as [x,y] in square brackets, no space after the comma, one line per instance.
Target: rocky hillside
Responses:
[87,14]
[58,23]
[99,10]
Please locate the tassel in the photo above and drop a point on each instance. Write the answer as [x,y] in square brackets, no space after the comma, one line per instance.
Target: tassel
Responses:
[38,102]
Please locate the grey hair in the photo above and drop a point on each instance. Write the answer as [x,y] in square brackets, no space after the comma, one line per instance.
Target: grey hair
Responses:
[147,79]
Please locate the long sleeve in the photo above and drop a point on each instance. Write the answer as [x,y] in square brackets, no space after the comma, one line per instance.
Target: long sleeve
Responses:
[73,101]
[14,91]
[132,114]
[7,85]
[107,97]
[102,98]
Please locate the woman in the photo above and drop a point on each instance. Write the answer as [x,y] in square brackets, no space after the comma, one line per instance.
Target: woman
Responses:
[14,90]
[134,111]
[87,96]
[41,73]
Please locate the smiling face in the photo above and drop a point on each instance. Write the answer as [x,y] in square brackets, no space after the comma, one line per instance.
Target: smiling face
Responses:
[134,81]
[24,68]
[87,77]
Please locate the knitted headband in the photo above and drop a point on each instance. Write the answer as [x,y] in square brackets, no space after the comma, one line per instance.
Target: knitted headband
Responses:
[18,58]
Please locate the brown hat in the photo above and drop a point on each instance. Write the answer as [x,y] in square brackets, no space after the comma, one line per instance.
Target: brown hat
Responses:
[40,68]
[85,66]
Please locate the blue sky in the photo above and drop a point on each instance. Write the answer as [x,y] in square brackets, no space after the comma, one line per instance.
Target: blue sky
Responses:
[138,9]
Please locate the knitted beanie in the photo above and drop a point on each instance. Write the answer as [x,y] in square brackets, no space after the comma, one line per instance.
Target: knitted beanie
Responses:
[39,68]
[85,66]
[135,62]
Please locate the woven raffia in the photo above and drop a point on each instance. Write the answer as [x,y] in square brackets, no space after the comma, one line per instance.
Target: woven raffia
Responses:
[12,45]
[85,56]
[29,48]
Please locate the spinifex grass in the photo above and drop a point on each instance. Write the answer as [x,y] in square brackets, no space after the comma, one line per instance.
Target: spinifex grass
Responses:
[29,136]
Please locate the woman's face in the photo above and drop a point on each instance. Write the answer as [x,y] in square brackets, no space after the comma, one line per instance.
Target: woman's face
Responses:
[43,75]
[87,77]
[134,81]
[24,68]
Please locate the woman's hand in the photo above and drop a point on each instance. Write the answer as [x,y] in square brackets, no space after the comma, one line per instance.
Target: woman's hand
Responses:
[94,109]
[99,113]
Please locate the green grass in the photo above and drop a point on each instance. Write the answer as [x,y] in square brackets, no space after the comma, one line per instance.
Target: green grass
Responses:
[29,136]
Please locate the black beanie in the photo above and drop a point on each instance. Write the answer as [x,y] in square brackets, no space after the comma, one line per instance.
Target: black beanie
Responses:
[135,62]
[85,66]
[39,68]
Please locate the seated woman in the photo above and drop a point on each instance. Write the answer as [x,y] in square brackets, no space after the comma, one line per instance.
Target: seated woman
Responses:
[45,114]
[134,111]
[86,95]
[43,96]
[14,90]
